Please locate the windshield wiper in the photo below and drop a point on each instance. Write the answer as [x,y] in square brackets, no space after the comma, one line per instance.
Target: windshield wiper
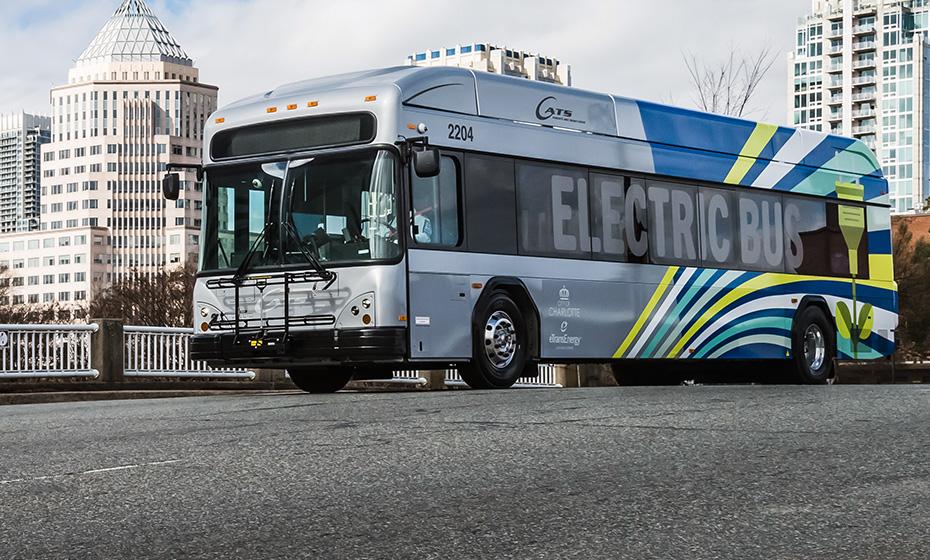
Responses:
[324,273]
[244,265]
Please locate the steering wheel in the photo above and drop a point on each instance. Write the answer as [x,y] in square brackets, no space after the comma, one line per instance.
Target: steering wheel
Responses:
[392,231]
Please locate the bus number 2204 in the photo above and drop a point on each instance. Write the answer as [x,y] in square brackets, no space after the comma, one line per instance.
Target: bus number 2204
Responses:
[461,132]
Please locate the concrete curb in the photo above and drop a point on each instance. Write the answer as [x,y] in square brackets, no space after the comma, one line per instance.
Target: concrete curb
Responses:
[84,396]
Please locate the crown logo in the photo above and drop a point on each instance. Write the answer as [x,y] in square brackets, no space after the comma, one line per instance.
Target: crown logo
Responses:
[563,293]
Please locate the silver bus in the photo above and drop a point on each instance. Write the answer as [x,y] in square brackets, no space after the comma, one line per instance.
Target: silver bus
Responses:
[415,218]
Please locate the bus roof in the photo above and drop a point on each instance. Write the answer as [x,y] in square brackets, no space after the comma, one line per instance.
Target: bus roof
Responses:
[744,152]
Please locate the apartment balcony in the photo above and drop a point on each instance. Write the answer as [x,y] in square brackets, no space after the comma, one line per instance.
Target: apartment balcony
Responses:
[862,80]
[834,33]
[864,63]
[835,100]
[864,29]
[866,96]
[835,116]
[863,46]
[863,129]
[836,49]
[835,84]
[834,68]
[863,113]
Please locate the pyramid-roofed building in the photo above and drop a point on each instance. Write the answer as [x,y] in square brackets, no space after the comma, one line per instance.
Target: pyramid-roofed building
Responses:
[134,33]
[133,105]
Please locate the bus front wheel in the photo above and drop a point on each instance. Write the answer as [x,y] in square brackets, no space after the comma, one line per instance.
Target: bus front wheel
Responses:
[499,344]
[327,380]
[813,346]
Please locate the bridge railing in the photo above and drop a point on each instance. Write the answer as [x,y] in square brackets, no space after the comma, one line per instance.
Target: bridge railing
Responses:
[46,351]
[547,378]
[165,352]
[107,351]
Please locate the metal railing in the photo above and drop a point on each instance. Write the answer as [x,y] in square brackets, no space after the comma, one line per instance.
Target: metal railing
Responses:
[36,351]
[547,378]
[165,352]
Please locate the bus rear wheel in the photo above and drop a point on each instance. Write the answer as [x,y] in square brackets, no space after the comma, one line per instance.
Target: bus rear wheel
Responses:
[324,380]
[499,344]
[813,345]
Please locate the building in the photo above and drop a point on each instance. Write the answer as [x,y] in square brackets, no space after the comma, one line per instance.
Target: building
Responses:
[132,105]
[499,60]
[861,68]
[21,135]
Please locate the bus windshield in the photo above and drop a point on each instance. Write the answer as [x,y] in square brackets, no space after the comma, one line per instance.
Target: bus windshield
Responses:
[339,208]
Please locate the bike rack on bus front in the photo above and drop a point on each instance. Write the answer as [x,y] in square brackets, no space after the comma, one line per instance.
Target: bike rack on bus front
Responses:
[243,326]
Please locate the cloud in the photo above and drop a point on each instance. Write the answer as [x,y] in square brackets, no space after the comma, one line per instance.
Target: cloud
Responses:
[628,47]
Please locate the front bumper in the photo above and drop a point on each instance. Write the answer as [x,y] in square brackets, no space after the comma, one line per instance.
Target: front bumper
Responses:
[272,349]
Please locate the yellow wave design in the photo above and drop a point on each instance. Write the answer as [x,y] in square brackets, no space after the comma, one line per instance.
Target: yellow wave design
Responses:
[663,286]
[758,283]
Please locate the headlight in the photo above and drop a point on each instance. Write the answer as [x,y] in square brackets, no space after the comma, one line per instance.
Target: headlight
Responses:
[366,303]
[204,311]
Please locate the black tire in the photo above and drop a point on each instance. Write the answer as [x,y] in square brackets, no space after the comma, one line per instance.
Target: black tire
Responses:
[497,309]
[324,380]
[812,330]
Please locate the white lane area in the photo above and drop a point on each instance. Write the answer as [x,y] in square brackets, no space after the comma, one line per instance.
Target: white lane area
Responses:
[90,472]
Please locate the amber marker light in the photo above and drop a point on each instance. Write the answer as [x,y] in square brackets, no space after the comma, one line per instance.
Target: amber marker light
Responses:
[271,110]
[402,318]
[292,106]
[312,103]
[411,126]
[371,98]
[477,285]
[366,319]
[204,327]
[220,120]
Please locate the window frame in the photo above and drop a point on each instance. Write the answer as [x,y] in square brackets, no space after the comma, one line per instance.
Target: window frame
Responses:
[412,243]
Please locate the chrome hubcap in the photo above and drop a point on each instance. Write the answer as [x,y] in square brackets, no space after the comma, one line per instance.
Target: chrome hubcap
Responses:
[500,339]
[815,347]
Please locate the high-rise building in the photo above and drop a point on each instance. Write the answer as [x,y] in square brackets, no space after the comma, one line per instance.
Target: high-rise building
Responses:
[21,135]
[861,68]
[133,104]
[499,60]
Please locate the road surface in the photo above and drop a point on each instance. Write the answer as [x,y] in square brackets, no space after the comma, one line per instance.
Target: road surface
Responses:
[682,472]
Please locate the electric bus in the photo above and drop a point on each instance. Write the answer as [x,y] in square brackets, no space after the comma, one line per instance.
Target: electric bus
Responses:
[416,218]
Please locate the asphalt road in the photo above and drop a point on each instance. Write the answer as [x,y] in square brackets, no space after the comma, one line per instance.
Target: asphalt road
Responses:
[683,472]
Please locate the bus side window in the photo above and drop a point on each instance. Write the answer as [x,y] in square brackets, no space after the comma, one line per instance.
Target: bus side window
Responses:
[490,204]
[552,203]
[435,206]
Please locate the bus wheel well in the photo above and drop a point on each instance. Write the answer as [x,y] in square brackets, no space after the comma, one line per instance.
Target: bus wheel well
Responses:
[521,296]
[813,301]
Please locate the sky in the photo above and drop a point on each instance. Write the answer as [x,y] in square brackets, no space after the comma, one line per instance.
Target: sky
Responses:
[631,48]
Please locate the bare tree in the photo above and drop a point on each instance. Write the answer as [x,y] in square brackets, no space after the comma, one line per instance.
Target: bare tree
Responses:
[912,273]
[162,299]
[728,87]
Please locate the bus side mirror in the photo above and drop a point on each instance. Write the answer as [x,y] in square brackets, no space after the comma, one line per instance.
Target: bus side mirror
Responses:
[171,186]
[426,162]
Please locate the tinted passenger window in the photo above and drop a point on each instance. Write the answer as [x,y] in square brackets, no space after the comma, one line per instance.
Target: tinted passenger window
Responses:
[719,231]
[673,220]
[608,235]
[436,206]
[761,234]
[553,211]
[807,239]
[851,218]
[491,204]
